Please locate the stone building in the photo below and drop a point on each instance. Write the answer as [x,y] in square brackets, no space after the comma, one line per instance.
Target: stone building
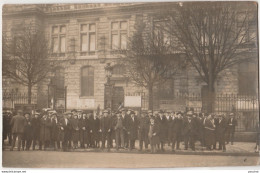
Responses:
[87,35]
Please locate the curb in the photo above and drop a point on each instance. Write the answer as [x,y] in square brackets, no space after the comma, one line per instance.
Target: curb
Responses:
[251,154]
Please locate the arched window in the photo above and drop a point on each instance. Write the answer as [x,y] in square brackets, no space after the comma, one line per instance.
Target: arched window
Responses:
[87,81]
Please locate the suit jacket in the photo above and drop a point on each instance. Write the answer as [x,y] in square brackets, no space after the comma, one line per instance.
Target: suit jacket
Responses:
[162,122]
[105,124]
[232,124]
[176,127]
[221,126]
[28,133]
[18,123]
[190,127]
[36,124]
[95,125]
[132,127]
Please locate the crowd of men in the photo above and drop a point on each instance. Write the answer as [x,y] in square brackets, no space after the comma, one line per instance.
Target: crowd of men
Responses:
[79,129]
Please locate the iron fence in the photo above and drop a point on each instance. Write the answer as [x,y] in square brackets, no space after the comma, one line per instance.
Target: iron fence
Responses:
[245,107]
[10,99]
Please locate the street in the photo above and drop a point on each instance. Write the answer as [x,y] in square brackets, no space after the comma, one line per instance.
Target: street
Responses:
[52,159]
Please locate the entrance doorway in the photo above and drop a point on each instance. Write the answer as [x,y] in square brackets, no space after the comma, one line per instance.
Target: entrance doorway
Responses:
[117,97]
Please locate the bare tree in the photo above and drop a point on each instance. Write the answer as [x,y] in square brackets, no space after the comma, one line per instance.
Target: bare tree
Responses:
[149,60]
[26,58]
[214,36]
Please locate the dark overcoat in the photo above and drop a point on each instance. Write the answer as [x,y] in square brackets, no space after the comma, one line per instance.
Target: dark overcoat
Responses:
[132,128]
[17,123]
[45,129]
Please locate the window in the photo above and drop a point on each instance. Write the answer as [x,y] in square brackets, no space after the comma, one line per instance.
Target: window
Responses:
[88,37]
[119,35]
[59,39]
[161,37]
[87,81]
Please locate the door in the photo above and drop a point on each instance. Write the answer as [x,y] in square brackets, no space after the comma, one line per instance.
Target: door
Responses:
[117,98]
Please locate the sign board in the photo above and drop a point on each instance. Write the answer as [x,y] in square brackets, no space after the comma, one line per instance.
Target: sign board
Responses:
[133,101]
[86,104]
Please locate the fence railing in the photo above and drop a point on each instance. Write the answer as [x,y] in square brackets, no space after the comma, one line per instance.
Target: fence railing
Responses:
[246,107]
[12,98]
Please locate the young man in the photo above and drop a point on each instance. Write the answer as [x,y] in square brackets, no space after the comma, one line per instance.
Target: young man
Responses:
[132,126]
[105,128]
[176,131]
[28,133]
[17,123]
[143,127]
[36,122]
[119,131]
[232,123]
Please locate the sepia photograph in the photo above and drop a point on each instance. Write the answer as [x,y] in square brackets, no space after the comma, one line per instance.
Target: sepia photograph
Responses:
[130,85]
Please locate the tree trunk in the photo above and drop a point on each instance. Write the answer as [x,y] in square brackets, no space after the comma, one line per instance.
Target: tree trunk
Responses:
[211,98]
[29,93]
[150,93]
[211,90]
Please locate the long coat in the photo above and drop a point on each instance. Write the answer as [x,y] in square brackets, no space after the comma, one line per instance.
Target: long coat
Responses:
[28,133]
[36,127]
[154,129]
[221,127]
[105,124]
[95,126]
[209,132]
[232,123]
[18,122]
[163,126]
[132,128]
[64,130]
[143,127]
[45,131]
[176,128]
[82,130]
[55,130]
[75,129]
[169,131]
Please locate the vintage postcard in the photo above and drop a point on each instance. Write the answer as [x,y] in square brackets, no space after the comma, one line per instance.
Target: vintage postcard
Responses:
[130,85]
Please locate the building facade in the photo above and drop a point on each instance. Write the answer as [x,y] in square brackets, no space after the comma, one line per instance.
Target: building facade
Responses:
[88,36]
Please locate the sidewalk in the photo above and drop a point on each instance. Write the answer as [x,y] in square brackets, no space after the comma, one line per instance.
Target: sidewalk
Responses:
[238,149]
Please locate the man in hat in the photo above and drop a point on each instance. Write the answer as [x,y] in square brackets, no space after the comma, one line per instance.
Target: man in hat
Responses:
[125,119]
[176,130]
[45,130]
[65,126]
[143,127]
[221,126]
[190,131]
[95,127]
[7,129]
[55,131]
[36,122]
[28,133]
[162,122]
[17,123]
[209,132]
[168,118]
[132,129]
[106,125]
[119,131]
[232,123]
